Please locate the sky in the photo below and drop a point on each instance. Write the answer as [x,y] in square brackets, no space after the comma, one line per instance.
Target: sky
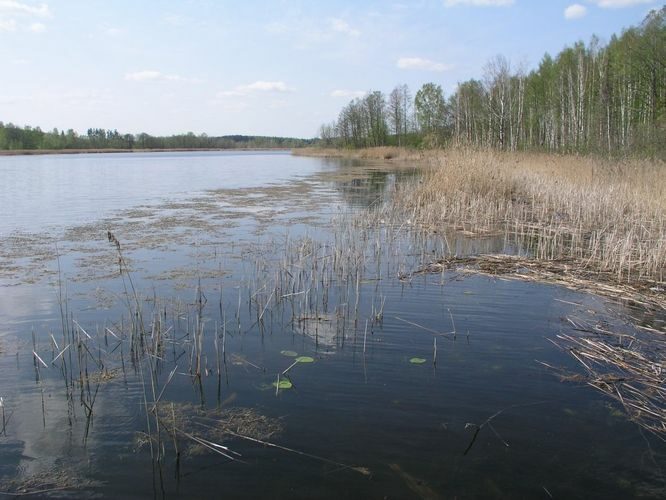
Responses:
[279,68]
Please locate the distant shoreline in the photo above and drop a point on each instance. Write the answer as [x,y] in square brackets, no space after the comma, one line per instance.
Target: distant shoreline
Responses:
[27,152]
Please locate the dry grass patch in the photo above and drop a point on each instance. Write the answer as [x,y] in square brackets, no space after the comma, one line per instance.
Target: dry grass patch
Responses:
[376,153]
[609,216]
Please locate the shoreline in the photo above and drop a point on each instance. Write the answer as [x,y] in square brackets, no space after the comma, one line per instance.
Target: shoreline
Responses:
[604,215]
[395,153]
[32,152]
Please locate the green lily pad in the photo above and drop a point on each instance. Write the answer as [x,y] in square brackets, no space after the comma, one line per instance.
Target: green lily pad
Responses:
[289,354]
[305,359]
[283,384]
[417,361]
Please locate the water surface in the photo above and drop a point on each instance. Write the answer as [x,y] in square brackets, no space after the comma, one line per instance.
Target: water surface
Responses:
[238,261]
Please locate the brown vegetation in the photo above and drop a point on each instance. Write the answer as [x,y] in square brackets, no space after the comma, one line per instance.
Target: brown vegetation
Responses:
[607,215]
[377,153]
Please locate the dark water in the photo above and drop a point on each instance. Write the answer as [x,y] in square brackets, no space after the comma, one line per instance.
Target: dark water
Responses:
[235,260]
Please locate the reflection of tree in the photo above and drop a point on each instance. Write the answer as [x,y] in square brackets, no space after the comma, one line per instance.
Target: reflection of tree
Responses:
[365,187]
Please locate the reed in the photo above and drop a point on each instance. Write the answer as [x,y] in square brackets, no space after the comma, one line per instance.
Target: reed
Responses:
[376,153]
[608,215]
[627,368]
[4,419]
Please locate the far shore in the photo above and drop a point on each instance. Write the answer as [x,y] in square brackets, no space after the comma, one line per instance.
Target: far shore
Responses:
[17,152]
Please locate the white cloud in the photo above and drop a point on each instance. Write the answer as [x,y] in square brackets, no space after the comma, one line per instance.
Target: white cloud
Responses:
[8,25]
[12,7]
[618,4]
[258,86]
[342,26]
[421,64]
[264,86]
[11,10]
[348,93]
[37,28]
[479,3]
[575,11]
[151,75]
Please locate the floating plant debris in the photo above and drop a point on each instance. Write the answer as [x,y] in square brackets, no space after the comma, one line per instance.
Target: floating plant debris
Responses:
[417,361]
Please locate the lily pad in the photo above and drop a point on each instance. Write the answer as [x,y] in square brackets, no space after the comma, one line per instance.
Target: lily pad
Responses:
[283,384]
[417,361]
[289,354]
[305,359]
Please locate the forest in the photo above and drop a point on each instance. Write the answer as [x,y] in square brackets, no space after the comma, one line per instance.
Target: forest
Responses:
[590,98]
[13,137]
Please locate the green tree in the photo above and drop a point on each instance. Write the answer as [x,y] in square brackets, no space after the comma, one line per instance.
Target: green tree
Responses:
[430,110]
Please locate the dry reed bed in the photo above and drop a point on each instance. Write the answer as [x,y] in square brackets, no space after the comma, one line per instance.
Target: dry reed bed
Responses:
[377,153]
[562,272]
[627,368]
[607,215]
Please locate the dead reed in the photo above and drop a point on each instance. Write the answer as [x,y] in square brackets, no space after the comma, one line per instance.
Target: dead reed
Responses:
[606,215]
[376,153]
[563,272]
[627,368]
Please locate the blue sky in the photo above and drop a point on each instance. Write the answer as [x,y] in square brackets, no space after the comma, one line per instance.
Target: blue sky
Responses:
[263,67]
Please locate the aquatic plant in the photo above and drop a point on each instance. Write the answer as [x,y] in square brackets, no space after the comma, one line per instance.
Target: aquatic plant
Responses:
[607,215]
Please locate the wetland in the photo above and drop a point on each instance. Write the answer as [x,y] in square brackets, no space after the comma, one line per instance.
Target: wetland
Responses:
[191,324]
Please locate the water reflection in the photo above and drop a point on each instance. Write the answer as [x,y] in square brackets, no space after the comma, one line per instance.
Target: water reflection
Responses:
[225,310]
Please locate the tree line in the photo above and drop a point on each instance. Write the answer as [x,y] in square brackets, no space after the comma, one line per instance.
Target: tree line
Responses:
[13,137]
[589,98]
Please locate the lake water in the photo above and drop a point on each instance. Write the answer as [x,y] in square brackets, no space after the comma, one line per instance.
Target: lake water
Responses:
[249,301]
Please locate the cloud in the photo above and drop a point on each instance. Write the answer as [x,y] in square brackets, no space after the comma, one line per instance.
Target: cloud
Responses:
[12,7]
[618,4]
[264,86]
[421,64]
[479,3]
[151,75]
[37,28]
[342,26]
[348,93]
[10,10]
[258,86]
[8,25]
[575,11]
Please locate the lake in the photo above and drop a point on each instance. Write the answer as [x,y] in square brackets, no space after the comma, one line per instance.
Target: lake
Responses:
[240,324]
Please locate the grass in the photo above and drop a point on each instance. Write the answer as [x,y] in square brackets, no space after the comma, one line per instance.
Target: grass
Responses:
[606,215]
[377,153]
